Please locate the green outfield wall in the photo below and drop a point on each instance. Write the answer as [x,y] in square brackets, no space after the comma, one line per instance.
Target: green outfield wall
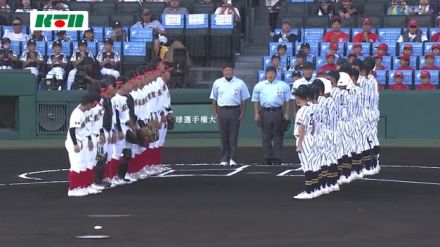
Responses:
[45,114]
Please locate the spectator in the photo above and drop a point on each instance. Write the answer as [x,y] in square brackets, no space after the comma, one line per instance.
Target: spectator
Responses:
[286,34]
[413,33]
[366,35]
[56,62]
[296,75]
[25,6]
[77,57]
[357,49]
[382,49]
[4,7]
[32,59]
[436,37]
[398,7]
[109,60]
[325,8]
[86,75]
[16,34]
[305,49]
[435,49]
[281,50]
[346,10]
[398,82]
[429,62]
[228,9]
[378,62]
[334,48]
[330,66]
[426,84]
[425,8]
[351,58]
[62,36]
[307,77]
[8,58]
[336,35]
[356,64]
[275,62]
[37,36]
[148,22]
[407,49]
[175,9]
[299,62]
[273,7]
[89,35]
[56,5]
[404,63]
[118,34]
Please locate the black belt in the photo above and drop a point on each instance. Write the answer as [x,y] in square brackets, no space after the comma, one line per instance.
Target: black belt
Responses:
[271,108]
[229,107]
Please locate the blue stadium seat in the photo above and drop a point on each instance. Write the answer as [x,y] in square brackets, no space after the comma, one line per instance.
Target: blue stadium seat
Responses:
[320,61]
[267,61]
[294,31]
[141,34]
[428,46]
[433,31]
[98,31]
[355,31]
[366,47]
[274,45]
[417,48]
[422,61]
[41,47]
[325,47]
[388,35]
[314,48]
[313,35]
[407,77]
[134,49]
[108,31]
[391,48]
[381,76]
[262,75]
[73,35]
[218,22]
[288,77]
[6,29]
[66,48]
[413,62]
[49,35]
[434,77]
[117,46]
[387,61]
[92,47]
[16,47]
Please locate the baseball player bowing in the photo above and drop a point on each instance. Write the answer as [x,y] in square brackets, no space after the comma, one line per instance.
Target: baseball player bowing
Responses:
[76,145]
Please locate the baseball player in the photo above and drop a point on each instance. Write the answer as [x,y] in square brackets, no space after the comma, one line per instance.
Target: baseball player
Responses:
[56,62]
[8,57]
[77,57]
[76,145]
[109,59]
[32,59]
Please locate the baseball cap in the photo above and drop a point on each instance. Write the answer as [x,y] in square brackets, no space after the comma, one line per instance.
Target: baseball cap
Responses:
[302,91]
[282,46]
[117,24]
[286,20]
[352,55]
[31,42]
[435,46]
[413,23]
[378,56]
[305,45]
[61,32]
[57,43]
[344,79]
[146,11]
[382,46]
[425,74]
[271,68]
[346,1]
[296,73]
[108,41]
[398,74]
[336,19]
[408,46]
[163,39]
[329,54]
[357,44]
[82,42]
[404,57]
[90,29]
[334,46]
[429,54]
[308,65]
[366,21]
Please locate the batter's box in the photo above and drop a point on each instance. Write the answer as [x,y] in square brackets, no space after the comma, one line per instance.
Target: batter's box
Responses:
[204,172]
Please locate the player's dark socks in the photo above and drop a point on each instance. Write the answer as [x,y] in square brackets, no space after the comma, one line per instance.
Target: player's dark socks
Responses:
[99,171]
[309,181]
[316,184]
[122,168]
[326,176]
[339,168]
[333,174]
[320,174]
[367,160]
[345,166]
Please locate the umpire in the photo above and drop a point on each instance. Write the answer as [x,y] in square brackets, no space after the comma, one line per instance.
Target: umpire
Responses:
[271,104]
[229,95]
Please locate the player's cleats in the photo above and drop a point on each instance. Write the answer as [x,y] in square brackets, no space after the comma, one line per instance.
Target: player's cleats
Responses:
[303,196]
[232,163]
[76,193]
[224,163]
[98,187]
[130,178]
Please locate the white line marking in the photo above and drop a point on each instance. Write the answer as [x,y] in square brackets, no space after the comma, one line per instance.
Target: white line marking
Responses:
[165,173]
[25,175]
[42,182]
[258,173]
[237,170]
[108,215]
[400,181]
[93,237]
[418,167]
[284,173]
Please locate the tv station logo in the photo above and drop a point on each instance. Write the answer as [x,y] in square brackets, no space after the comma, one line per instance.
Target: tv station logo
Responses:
[59,20]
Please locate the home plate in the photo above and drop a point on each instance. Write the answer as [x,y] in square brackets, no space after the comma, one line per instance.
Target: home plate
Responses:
[93,237]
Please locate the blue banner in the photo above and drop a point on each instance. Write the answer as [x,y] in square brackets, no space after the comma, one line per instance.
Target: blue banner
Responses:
[197,21]
[222,22]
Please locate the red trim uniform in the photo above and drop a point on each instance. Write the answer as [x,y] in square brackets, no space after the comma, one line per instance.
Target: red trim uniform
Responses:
[399,87]
[332,36]
[426,87]
[430,67]
[359,37]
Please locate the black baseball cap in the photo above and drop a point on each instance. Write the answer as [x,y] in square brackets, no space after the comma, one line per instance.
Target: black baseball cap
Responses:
[6,39]
[57,43]
[305,44]
[271,68]
[319,84]
[31,42]
[108,41]
[308,65]
[275,56]
[61,32]
[117,24]
[333,74]
[302,91]
[296,73]
[82,42]
[90,29]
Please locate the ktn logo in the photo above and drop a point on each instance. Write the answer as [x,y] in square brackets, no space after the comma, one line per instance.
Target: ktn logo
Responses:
[59,20]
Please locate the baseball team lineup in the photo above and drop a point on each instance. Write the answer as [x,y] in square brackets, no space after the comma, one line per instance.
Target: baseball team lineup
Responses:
[117,132]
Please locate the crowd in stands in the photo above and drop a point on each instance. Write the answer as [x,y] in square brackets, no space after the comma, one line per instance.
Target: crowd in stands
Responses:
[54,57]
[406,58]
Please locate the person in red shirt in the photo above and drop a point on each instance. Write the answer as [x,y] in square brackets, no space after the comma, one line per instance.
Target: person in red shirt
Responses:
[336,35]
[435,49]
[366,35]
[404,62]
[407,49]
[436,37]
[378,62]
[330,66]
[382,49]
[429,62]
[398,82]
[426,81]
[357,49]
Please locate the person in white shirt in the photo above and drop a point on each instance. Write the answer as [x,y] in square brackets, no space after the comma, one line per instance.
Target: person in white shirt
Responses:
[32,59]
[16,34]
[4,7]
[228,9]
[56,5]
[109,59]
[413,33]
[25,6]
[8,58]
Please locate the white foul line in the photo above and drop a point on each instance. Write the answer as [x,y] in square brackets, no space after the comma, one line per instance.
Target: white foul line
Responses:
[400,181]
[42,182]
[108,215]
[241,168]
[284,173]
[25,175]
